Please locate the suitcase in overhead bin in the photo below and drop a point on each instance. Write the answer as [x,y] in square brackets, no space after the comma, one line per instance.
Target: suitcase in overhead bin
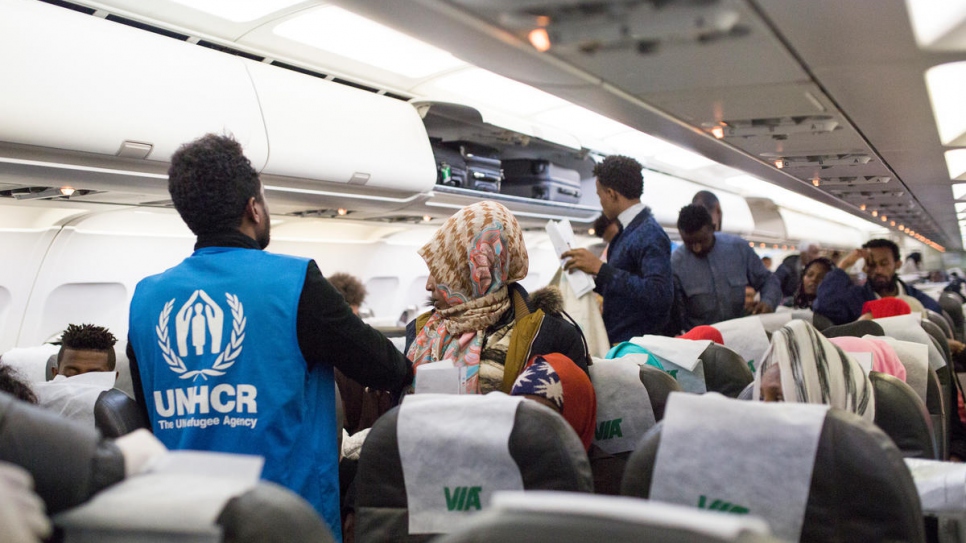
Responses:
[483,173]
[541,179]
[450,166]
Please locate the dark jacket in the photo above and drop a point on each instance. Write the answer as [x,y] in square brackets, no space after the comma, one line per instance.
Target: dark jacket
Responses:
[841,301]
[789,275]
[636,280]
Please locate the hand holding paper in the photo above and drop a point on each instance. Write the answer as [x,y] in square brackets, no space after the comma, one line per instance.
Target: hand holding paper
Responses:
[579,262]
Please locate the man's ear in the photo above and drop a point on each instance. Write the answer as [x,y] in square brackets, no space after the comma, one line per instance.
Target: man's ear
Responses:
[251,210]
[53,372]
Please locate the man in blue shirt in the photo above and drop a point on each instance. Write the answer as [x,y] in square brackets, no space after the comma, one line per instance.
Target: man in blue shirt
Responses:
[711,271]
[841,301]
[636,279]
[233,349]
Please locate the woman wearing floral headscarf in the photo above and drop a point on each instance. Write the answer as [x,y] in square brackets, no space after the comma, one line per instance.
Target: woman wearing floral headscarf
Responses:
[483,320]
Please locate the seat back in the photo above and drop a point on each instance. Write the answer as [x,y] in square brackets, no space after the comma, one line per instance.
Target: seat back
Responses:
[940,321]
[821,322]
[953,307]
[900,413]
[725,371]
[557,517]
[456,462]
[858,488]
[117,414]
[854,329]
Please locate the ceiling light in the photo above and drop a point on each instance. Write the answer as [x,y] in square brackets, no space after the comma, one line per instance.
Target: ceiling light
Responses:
[892,223]
[346,34]
[427,218]
[762,245]
[718,132]
[934,22]
[816,182]
[751,243]
[883,218]
[539,39]
[862,207]
[342,211]
[945,83]
[67,191]
[779,163]
[475,85]
[875,213]
[238,11]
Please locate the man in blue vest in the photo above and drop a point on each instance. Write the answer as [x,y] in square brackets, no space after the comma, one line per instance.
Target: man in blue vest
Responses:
[232,349]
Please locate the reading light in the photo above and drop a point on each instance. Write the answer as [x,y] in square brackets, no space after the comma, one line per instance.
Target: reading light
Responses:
[342,211]
[875,213]
[67,191]
[762,245]
[883,218]
[780,163]
[751,243]
[816,182]
[717,132]
[427,218]
[862,207]
[539,39]
[591,232]
[902,227]
[784,247]
[775,246]
[892,223]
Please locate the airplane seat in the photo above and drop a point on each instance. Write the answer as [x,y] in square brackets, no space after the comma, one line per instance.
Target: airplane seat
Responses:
[432,462]
[725,371]
[123,368]
[748,392]
[30,362]
[941,322]
[117,414]
[902,416]
[938,339]
[854,329]
[938,408]
[562,517]
[821,322]
[177,507]
[631,398]
[952,305]
[848,484]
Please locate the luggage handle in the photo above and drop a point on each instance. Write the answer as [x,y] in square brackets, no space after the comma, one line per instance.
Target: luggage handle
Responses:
[480,176]
[569,192]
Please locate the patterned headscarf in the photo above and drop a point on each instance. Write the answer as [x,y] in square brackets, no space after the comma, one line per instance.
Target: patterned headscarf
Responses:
[555,377]
[814,370]
[473,257]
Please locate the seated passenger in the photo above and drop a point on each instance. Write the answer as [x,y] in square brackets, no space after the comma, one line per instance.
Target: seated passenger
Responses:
[751,300]
[482,320]
[841,301]
[884,357]
[711,271]
[803,366]
[812,277]
[556,382]
[85,369]
[12,383]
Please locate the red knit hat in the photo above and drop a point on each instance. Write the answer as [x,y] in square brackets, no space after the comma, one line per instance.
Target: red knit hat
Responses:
[886,307]
[704,332]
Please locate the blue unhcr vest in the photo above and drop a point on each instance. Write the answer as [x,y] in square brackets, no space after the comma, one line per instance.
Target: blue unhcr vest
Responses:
[217,350]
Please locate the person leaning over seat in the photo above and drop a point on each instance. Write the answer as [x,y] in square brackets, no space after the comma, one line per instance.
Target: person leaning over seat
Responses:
[482,319]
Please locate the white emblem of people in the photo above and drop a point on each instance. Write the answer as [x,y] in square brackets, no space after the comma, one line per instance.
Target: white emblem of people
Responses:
[199,333]
[199,320]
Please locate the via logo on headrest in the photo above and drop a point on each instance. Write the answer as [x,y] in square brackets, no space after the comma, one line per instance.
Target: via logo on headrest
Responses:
[723,506]
[608,429]
[463,498]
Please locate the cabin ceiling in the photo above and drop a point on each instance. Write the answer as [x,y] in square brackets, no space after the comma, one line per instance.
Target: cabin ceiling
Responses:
[834,90]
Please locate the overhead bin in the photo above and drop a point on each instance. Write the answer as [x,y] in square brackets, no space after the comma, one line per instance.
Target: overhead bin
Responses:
[801,227]
[322,130]
[76,82]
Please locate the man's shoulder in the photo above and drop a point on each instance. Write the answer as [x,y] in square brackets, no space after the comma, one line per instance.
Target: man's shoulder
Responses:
[731,240]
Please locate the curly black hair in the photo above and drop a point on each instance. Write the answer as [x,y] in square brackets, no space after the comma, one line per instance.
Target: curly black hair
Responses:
[623,174]
[87,337]
[13,384]
[601,224]
[802,300]
[694,217]
[705,198]
[351,288]
[211,181]
[883,244]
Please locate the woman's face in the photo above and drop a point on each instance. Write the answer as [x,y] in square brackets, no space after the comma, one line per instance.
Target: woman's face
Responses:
[813,277]
[771,384]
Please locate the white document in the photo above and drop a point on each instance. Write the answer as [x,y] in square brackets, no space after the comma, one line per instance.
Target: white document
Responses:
[864,360]
[245,468]
[563,239]
[438,378]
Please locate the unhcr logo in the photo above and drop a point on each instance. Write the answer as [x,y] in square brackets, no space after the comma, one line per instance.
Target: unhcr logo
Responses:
[723,506]
[608,429]
[463,498]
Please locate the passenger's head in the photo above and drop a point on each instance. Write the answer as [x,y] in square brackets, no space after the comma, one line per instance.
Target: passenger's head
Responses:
[709,201]
[477,252]
[809,251]
[812,277]
[750,294]
[605,228]
[556,382]
[766,262]
[350,288]
[696,229]
[620,184]
[915,257]
[880,266]
[215,189]
[85,348]
[803,366]
[12,383]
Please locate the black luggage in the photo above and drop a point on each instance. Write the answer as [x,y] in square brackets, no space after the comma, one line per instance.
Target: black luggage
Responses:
[450,166]
[541,179]
[483,168]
